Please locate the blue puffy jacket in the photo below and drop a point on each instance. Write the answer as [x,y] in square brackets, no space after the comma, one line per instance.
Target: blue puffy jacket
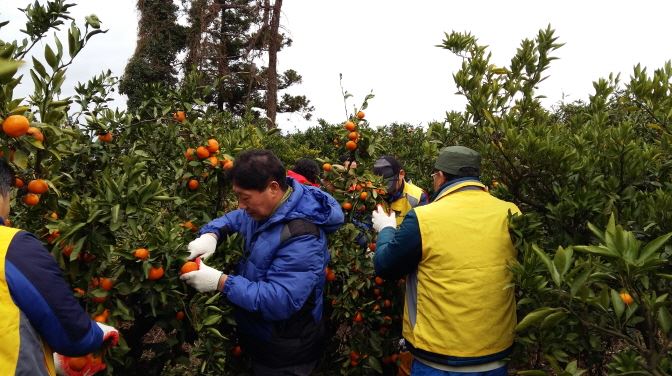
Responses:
[278,289]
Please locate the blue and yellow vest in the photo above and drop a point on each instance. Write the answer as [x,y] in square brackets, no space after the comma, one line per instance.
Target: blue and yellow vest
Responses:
[458,303]
[409,199]
[22,350]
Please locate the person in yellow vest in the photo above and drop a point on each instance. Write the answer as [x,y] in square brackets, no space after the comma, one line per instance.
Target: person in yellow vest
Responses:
[401,195]
[38,312]
[460,312]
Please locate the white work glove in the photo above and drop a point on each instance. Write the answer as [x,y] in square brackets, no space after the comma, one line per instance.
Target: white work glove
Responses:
[110,334]
[204,279]
[381,219]
[203,246]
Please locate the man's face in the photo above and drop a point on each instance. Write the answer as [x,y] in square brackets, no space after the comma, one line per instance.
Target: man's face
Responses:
[259,204]
[437,180]
[394,183]
[4,206]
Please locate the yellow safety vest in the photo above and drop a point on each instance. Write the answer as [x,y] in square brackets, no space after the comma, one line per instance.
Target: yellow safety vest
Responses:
[458,303]
[409,199]
[11,327]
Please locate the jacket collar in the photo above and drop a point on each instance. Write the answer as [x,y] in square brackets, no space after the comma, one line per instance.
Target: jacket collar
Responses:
[455,185]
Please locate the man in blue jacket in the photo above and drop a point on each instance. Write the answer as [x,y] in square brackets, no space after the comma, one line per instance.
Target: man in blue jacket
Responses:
[38,312]
[278,289]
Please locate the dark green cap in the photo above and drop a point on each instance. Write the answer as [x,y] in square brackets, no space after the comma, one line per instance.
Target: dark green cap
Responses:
[452,158]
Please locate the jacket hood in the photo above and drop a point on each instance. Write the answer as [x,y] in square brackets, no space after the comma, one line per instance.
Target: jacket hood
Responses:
[312,204]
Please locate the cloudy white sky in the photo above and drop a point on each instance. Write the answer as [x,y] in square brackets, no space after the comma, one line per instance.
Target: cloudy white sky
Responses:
[389,47]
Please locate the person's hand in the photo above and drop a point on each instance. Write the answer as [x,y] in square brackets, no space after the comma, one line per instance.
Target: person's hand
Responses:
[203,246]
[110,334]
[204,279]
[87,365]
[381,219]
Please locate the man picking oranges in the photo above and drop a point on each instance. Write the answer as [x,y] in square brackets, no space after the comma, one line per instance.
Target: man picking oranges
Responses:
[277,291]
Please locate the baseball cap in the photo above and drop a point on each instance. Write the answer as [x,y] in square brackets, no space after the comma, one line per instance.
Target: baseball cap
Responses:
[387,167]
[452,158]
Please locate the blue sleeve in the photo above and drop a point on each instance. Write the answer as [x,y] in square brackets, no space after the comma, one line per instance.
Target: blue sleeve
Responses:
[294,272]
[424,199]
[398,251]
[226,224]
[37,287]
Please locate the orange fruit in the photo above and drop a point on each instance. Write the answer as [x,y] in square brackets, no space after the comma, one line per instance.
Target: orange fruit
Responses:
[99,299]
[626,298]
[346,206]
[228,164]
[358,317]
[106,283]
[372,246]
[387,303]
[354,355]
[202,152]
[329,274]
[237,351]
[79,291]
[18,183]
[379,281]
[100,318]
[38,186]
[67,250]
[193,184]
[36,133]
[53,215]
[353,136]
[376,291]
[360,115]
[179,116]
[179,315]
[189,154]
[31,199]
[78,363]
[363,196]
[188,267]
[351,145]
[349,125]
[213,161]
[326,167]
[141,253]
[155,273]
[15,125]
[105,137]
[213,145]
[190,226]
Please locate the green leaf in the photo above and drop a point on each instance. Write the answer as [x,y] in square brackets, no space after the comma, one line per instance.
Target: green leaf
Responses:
[597,250]
[532,373]
[373,362]
[8,66]
[39,68]
[552,319]
[664,319]
[617,303]
[651,247]
[50,57]
[579,281]
[533,317]
[21,159]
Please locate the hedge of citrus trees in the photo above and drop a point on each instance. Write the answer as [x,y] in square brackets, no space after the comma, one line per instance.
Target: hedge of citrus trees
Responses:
[117,195]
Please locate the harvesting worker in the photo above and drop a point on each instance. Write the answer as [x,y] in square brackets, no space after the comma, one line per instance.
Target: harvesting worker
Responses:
[460,312]
[277,291]
[305,171]
[401,195]
[38,312]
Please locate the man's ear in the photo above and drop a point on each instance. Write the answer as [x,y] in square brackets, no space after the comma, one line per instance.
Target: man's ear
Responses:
[274,187]
[402,173]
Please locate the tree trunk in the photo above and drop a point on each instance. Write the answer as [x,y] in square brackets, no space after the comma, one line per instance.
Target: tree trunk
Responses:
[222,57]
[272,75]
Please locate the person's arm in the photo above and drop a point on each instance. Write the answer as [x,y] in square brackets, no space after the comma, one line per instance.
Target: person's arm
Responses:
[398,251]
[226,224]
[297,268]
[37,287]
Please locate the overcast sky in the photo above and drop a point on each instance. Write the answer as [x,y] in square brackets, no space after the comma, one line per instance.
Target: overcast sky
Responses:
[389,48]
